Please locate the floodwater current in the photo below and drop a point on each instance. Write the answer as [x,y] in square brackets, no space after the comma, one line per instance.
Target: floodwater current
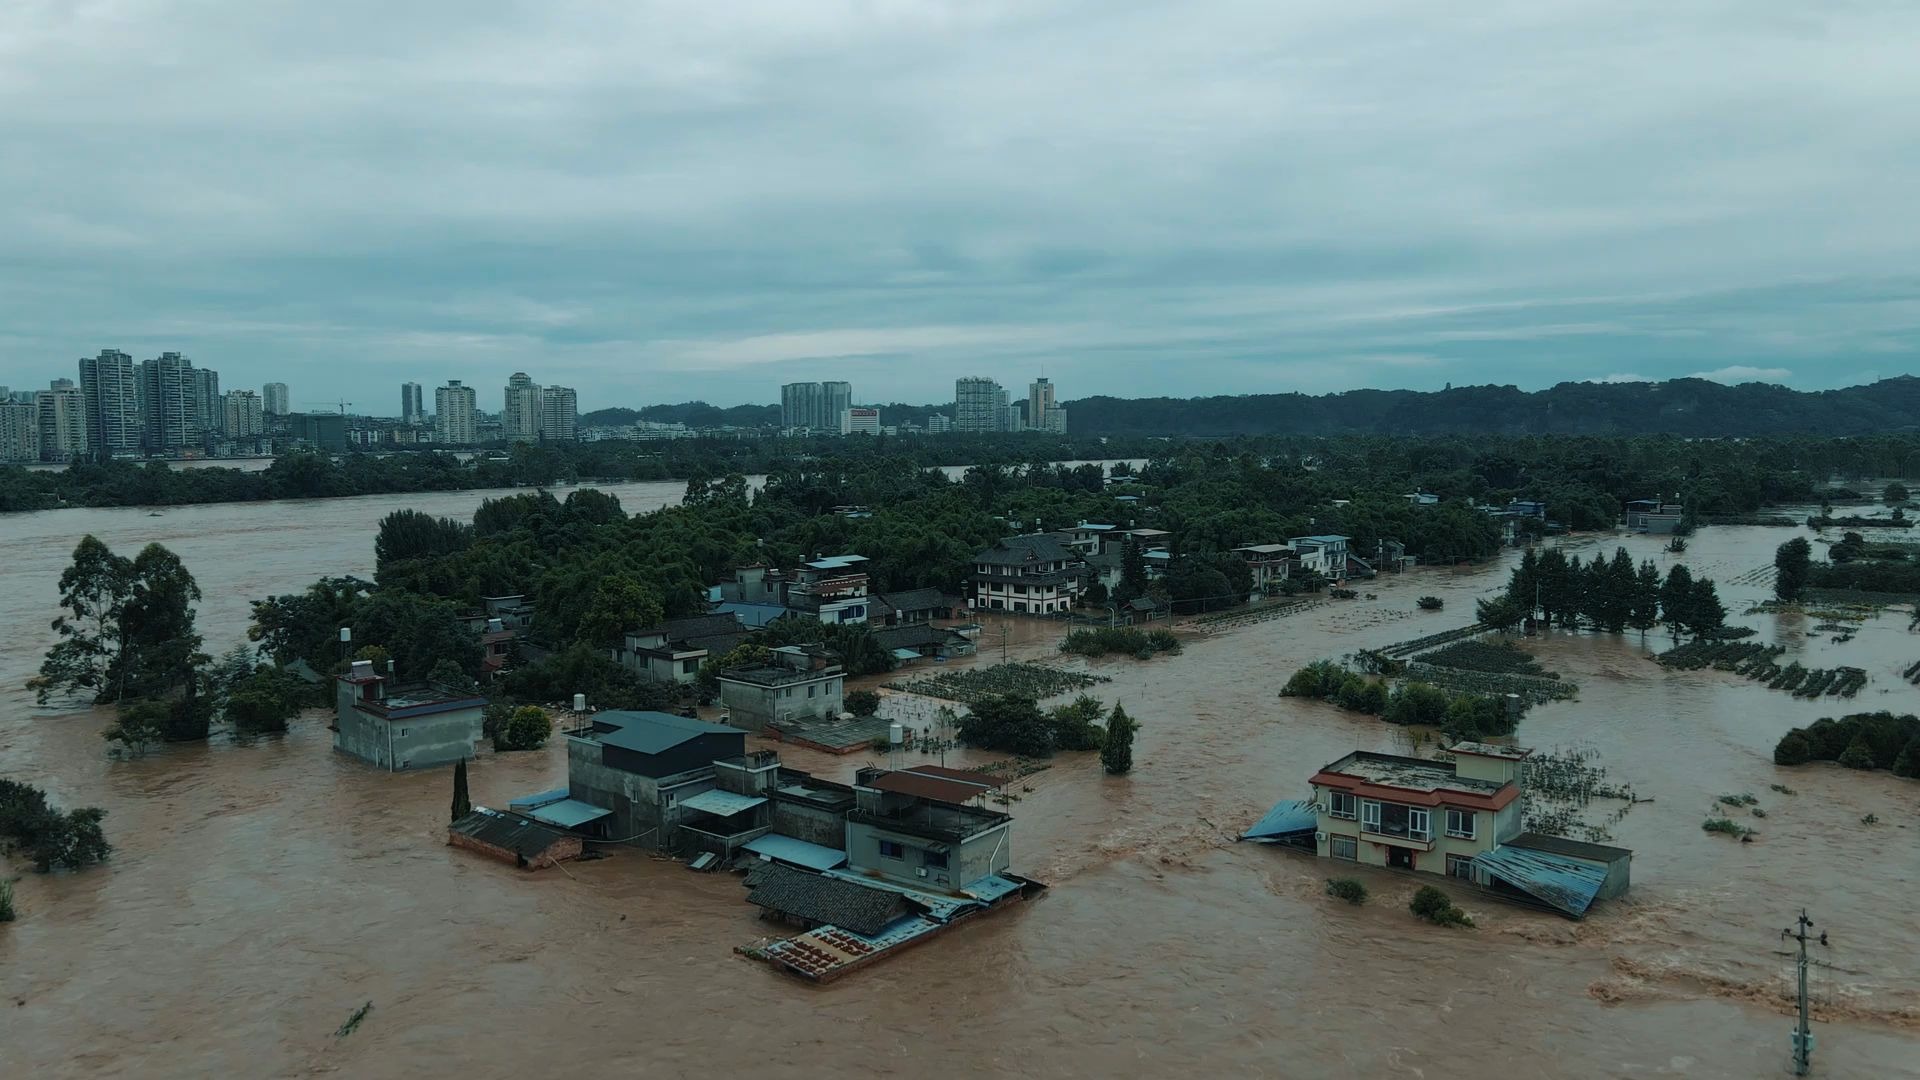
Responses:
[260,893]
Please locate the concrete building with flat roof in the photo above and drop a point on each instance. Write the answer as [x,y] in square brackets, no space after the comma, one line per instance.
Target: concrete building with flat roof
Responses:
[801,683]
[396,725]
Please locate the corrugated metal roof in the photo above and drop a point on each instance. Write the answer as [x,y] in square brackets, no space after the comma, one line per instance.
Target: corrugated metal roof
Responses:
[1291,816]
[654,732]
[1578,849]
[799,852]
[568,813]
[965,776]
[1560,882]
[721,803]
[538,798]
[517,834]
[990,888]
[922,786]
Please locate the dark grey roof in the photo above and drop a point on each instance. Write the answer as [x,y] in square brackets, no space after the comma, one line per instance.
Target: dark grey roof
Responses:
[1113,557]
[915,599]
[878,607]
[718,644]
[1576,849]
[654,732]
[1020,550]
[910,637]
[819,899]
[694,626]
[520,835]
[1143,603]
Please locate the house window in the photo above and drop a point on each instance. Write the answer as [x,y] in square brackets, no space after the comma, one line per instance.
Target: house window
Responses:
[1460,866]
[890,849]
[1460,823]
[689,667]
[810,689]
[1419,824]
[1370,816]
[1393,819]
[1343,804]
[937,859]
[1343,847]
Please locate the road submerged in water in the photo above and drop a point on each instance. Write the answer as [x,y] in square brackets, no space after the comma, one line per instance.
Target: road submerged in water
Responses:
[260,893]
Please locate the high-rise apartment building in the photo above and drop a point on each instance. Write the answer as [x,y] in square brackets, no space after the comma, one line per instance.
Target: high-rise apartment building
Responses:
[559,414]
[210,411]
[169,393]
[111,394]
[62,421]
[978,405]
[19,431]
[273,399]
[860,420]
[413,409]
[245,414]
[939,423]
[454,423]
[1039,400]
[520,418]
[816,406]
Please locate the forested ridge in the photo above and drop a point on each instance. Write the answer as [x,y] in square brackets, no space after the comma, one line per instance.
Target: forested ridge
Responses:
[1693,407]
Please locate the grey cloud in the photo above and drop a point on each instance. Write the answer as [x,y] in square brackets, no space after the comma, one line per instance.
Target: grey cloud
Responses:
[668,200]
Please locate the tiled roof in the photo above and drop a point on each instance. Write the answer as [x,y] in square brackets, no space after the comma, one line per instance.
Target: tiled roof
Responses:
[1020,550]
[520,835]
[815,898]
[915,599]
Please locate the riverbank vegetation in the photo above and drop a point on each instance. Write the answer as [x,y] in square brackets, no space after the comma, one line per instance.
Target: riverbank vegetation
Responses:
[1016,724]
[1876,740]
[1126,640]
[972,685]
[49,837]
[1613,594]
[1461,714]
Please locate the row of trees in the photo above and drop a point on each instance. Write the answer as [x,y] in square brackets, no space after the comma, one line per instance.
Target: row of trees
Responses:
[1461,715]
[1017,725]
[1611,594]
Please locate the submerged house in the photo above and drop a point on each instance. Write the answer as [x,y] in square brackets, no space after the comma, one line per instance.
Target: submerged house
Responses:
[802,682]
[1034,574]
[674,650]
[512,838]
[1458,818]
[403,725]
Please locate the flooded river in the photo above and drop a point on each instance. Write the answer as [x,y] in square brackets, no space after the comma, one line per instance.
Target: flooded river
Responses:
[260,893]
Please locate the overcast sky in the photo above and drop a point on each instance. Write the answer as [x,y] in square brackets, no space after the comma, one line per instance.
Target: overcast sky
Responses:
[665,201]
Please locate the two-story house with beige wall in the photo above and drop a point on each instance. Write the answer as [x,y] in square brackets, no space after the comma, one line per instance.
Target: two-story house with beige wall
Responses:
[1416,814]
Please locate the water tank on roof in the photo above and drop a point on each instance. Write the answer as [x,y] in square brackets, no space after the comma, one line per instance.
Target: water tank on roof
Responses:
[579,703]
[896,734]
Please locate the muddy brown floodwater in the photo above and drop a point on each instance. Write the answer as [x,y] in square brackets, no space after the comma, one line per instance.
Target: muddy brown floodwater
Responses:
[260,893]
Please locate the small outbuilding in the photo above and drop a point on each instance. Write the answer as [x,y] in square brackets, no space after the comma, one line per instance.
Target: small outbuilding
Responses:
[512,838]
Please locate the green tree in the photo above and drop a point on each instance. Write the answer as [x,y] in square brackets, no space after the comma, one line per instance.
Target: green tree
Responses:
[1793,749]
[1705,613]
[862,702]
[1676,594]
[411,534]
[1894,493]
[1116,751]
[93,590]
[620,603]
[462,805]
[1133,573]
[1076,725]
[451,675]
[1499,612]
[1416,703]
[1792,563]
[527,729]
[1009,723]
[418,632]
[160,648]
[1644,612]
[744,655]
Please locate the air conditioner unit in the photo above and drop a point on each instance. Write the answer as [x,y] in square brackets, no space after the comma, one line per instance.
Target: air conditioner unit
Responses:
[920,871]
[1319,837]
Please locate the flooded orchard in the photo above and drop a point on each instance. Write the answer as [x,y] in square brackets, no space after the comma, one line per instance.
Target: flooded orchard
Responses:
[260,893]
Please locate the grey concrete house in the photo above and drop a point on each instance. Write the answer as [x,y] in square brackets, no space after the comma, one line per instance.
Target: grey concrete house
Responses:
[403,725]
[916,827]
[802,682]
[642,768]
[674,650]
[912,606]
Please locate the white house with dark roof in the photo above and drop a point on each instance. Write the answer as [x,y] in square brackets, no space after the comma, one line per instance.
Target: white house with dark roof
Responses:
[1032,575]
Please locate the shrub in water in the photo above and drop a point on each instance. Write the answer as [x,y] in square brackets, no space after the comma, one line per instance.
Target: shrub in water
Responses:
[1347,889]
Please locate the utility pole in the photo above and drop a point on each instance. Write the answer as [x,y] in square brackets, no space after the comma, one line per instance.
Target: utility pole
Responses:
[1802,1034]
[1003,643]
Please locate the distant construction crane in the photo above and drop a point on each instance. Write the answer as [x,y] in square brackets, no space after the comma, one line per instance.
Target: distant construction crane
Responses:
[342,405]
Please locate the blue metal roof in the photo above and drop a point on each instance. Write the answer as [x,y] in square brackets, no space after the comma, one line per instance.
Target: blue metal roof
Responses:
[538,798]
[990,888]
[798,852]
[1568,885]
[1291,816]
[721,803]
[568,813]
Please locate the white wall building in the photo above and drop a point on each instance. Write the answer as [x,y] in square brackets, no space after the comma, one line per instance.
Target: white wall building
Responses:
[454,423]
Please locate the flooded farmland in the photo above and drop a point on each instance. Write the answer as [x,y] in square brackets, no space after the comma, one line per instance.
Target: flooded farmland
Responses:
[260,893]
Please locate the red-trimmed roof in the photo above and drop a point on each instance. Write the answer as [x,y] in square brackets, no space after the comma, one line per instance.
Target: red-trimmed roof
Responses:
[1439,797]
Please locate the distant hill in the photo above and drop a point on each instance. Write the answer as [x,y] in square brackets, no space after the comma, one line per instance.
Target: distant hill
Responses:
[1680,407]
[697,414]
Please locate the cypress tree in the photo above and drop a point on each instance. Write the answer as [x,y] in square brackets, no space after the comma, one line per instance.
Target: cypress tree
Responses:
[1676,596]
[1116,752]
[462,806]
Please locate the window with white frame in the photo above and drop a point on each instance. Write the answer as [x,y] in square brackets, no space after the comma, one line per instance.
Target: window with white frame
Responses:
[1460,866]
[1343,847]
[1370,815]
[1461,823]
[1343,804]
[1419,824]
